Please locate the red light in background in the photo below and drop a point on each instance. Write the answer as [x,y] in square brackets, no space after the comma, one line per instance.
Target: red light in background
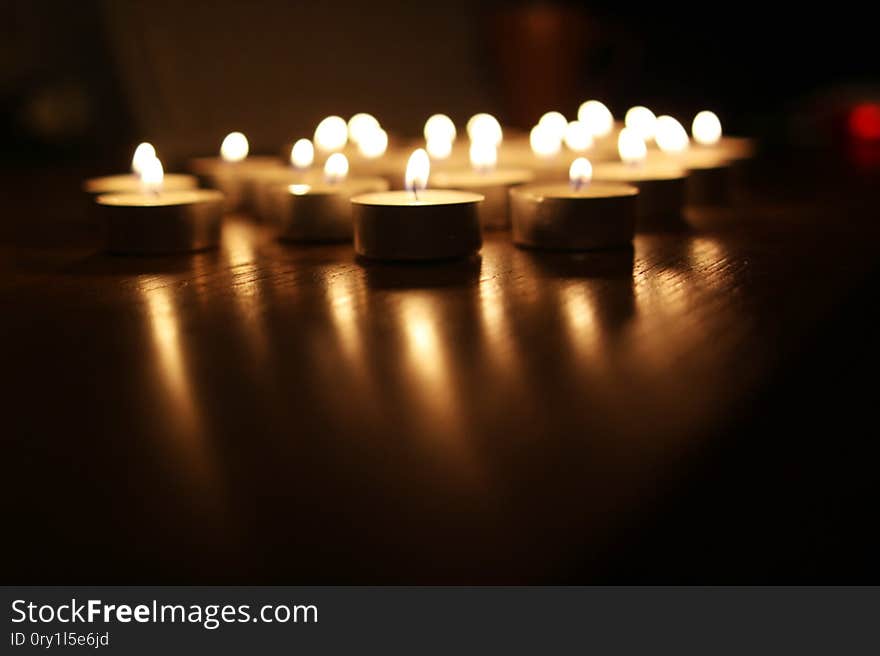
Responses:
[864,121]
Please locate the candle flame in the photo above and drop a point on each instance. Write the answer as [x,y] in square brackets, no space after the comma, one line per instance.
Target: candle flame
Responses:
[597,117]
[485,127]
[331,134]
[152,175]
[439,128]
[336,168]
[361,126]
[299,189]
[439,148]
[580,173]
[418,168]
[483,154]
[142,153]
[373,144]
[578,137]
[706,128]
[555,123]
[234,147]
[642,121]
[631,147]
[302,155]
[544,140]
[671,136]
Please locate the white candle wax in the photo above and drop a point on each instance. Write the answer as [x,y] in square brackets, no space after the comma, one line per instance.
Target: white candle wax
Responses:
[131,183]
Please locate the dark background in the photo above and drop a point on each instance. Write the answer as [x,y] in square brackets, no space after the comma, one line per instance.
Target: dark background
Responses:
[91,78]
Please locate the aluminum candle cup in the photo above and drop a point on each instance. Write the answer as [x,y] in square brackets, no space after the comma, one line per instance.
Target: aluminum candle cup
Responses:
[494,211]
[560,217]
[661,188]
[320,212]
[166,222]
[396,225]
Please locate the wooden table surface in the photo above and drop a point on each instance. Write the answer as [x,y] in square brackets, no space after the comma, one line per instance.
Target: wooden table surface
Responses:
[268,413]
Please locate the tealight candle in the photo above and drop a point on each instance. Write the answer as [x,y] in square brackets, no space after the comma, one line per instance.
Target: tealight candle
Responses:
[302,156]
[234,172]
[483,178]
[709,162]
[576,216]
[155,220]
[131,182]
[321,211]
[418,223]
[660,182]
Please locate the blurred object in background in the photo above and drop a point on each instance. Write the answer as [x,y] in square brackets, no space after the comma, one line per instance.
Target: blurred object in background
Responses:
[843,116]
[93,78]
[194,72]
[58,95]
[553,56]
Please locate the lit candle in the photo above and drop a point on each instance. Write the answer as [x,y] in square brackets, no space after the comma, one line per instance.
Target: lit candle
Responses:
[707,160]
[709,185]
[555,124]
[417,223]
[331,135]
[580,215]
[708,164]
[440,134]
[485,127]
[320,211]
[157,220]
[546,150]
[707,132]
[660,182]
[361,126]
[302,156]
[484,178]
[235,172]
[131,182]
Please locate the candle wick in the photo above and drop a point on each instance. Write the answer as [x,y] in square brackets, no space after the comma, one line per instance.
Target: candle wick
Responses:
[415,192]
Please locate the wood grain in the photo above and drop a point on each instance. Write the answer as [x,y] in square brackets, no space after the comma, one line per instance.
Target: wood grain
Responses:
[271,413]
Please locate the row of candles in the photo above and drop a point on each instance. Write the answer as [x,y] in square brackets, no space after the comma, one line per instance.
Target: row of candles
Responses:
[620,177]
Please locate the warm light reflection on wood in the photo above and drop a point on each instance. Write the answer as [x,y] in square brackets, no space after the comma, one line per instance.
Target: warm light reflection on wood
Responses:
[426,350]
[185,437]
[426,357]
[578,311]
[343,292]
[245,283]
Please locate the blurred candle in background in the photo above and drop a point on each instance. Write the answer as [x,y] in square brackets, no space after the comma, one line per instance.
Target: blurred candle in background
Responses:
[331,134]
